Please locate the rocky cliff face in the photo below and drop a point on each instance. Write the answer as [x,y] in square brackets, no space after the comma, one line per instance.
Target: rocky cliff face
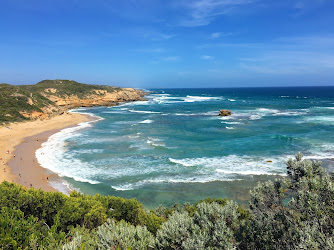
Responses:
[62,95]
[99,97]
[52,97]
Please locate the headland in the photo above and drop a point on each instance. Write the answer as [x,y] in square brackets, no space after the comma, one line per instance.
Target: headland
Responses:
[30,114]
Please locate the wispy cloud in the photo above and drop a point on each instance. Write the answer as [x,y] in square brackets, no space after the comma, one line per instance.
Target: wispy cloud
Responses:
[217,35]
[152,34]
[170,58]
[302,7]
[291,63]
[166,59]
[202,12]
[205,57]
[295,55]
[150,50]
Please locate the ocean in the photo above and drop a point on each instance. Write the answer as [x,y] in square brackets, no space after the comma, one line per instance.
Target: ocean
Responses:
[174,148]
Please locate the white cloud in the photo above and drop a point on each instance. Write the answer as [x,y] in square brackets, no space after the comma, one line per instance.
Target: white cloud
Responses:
[216,35]
[202,12]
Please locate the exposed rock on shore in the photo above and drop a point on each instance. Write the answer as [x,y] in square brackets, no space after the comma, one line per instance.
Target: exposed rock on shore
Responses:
[224,112]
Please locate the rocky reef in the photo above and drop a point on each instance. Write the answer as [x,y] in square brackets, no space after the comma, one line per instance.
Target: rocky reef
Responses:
[224,112]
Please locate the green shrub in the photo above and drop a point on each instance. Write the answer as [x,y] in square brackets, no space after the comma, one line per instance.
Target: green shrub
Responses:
[122,235]
[207,229]
[306,221]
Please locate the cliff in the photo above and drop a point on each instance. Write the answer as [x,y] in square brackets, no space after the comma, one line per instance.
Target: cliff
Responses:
[52,97]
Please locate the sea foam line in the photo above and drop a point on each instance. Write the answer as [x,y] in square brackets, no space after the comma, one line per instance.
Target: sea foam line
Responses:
[52,155]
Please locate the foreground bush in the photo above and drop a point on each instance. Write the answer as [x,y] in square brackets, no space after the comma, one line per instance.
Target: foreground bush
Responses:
[207,229]
[295,212]
[305,221]
[124,236]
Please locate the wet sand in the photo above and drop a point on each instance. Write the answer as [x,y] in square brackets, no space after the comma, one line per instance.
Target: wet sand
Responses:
[18,144]
[25,165]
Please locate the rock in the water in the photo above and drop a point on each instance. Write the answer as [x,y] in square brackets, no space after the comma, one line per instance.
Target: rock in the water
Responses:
[224,112]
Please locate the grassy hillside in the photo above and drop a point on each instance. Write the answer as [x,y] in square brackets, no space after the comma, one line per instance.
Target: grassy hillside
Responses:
[67,87]
[14,100]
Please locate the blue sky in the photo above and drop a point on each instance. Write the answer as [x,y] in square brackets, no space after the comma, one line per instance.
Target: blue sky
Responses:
[170,43]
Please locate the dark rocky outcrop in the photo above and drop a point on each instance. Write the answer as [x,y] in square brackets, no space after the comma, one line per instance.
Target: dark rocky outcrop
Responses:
[224,112]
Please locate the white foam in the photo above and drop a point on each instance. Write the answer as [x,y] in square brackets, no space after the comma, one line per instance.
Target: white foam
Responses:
[63,187]
[52,155]
[87,151]
[228,122]
[210,113]
[246,172]
[237,164]
[79,111]
[155,144]
[190,98]
[276,112]
[230,127]
[266,110]
[231,100]
[146,121]
[226,117]
[288,113]
[182,162]
[114,112]
[255,117]
[168,99]
[225,168]
[327,120]
[144,112]
[136,103]
[185,114]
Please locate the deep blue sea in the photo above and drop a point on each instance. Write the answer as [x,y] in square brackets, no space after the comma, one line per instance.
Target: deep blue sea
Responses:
[174,147]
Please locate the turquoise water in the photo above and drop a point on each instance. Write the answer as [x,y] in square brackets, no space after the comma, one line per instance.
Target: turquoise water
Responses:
[174,147]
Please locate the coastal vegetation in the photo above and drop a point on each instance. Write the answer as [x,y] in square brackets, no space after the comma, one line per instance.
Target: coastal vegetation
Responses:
[296,212]
[53,97]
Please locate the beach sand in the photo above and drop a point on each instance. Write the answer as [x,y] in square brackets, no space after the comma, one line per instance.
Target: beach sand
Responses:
[18,144]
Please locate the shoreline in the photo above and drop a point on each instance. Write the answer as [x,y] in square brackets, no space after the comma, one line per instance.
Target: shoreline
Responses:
[19,142]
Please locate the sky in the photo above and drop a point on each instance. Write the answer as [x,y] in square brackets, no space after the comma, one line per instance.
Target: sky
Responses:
[168,43]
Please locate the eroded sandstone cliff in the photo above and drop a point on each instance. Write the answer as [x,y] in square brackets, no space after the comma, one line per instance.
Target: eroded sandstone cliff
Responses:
[53,97]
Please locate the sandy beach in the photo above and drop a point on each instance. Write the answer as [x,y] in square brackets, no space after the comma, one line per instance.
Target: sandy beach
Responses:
[18,144]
